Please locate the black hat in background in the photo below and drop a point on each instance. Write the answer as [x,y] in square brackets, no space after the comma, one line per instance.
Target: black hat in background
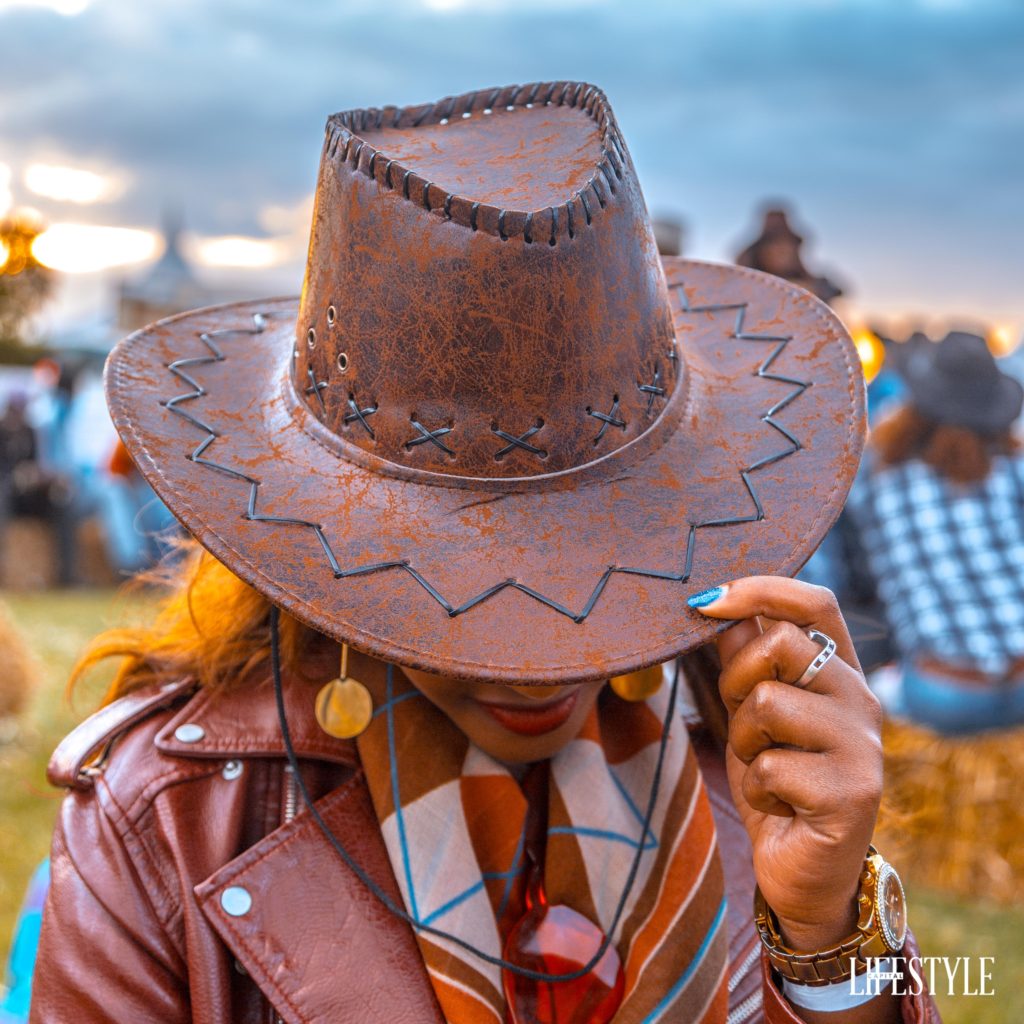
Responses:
[957,382]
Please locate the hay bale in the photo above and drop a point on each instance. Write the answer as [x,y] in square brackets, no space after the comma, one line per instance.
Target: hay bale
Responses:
[955,818]
[18,673]
[28,555]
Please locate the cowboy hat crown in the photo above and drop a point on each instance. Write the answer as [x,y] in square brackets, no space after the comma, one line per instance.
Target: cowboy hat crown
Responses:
[484,294]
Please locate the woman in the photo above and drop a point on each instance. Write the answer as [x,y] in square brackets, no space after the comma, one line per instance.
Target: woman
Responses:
[940,507]
[508,456]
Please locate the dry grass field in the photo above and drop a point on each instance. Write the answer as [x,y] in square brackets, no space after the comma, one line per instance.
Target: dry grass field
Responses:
[57,625]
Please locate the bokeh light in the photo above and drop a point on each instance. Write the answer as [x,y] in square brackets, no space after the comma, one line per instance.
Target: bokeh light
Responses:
[237,251]
[71,184]
[1003,339]
[870,350]
[86,248]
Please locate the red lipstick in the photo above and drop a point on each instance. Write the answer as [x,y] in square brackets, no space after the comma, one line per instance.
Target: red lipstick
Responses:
[533,719]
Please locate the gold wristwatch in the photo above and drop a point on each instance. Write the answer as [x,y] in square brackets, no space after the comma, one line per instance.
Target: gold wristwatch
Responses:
[881,930]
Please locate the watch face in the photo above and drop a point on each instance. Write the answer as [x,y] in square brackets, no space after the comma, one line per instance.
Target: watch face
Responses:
[892,908]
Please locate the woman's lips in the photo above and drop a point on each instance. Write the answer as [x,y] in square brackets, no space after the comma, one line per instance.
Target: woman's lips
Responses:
[527,720]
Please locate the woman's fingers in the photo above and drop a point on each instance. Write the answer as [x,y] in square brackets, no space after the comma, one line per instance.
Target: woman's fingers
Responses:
[784,782]
[776,714]
[782,652]
[736,637]
[783,599]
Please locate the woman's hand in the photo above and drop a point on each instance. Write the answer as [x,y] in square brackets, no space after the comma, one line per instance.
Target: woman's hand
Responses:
[805,765]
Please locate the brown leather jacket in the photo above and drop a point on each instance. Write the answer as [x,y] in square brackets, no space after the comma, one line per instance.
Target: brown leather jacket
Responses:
[176,796]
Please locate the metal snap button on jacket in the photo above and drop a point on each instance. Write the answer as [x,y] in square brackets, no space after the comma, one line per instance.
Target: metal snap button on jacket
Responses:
[189,733]
[236,901]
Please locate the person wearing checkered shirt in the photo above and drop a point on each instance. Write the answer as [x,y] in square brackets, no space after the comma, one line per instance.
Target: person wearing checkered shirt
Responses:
[940,509]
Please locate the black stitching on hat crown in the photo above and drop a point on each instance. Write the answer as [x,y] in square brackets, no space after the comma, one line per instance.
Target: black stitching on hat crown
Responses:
[588,98]
[357,415]
[315,387]
[654,389]
[427,436]
[608,419]
[519,442]
[586,205]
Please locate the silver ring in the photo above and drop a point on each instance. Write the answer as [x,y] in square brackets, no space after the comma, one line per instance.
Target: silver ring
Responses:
[828,648]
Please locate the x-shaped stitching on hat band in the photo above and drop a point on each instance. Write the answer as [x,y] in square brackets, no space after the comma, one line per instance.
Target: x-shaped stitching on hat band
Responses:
[520,441]
[431,436]
[315,387]
[654,389]
[608,419]
[259,320]
[360,415]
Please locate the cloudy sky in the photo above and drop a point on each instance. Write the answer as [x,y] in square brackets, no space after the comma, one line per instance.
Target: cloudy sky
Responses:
[895,128]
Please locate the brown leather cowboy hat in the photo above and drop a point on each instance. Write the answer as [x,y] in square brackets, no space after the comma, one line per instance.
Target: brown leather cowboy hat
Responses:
[497,437]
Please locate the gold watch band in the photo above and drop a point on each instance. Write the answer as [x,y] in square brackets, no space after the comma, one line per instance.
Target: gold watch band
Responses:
[836,963]
[822,967]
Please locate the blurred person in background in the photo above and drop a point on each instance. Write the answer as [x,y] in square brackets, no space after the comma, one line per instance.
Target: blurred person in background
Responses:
[777,251]
[17,454]
[940,507]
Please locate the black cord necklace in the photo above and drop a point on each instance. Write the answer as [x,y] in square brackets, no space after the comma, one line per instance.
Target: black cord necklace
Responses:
[399,912]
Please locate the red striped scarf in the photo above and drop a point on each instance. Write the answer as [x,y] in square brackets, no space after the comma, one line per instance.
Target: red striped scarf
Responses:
[453,820]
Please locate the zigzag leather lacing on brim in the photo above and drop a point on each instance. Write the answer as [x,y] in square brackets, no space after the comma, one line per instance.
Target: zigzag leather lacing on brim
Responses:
[343,144]
[259,324]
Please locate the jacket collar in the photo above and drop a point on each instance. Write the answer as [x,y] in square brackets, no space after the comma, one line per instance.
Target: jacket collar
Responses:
[242,720]
[312,936]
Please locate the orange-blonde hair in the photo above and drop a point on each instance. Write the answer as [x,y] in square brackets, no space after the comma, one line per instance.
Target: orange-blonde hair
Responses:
[957,453]
[210,626]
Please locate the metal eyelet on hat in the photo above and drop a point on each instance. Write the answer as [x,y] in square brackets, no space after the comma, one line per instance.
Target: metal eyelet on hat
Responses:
[342,362]
[332,316]
[311,337]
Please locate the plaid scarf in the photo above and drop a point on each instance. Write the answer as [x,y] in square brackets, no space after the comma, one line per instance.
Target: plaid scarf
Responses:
[453,820]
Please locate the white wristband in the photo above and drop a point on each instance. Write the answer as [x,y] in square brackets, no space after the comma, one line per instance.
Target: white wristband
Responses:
[841,995]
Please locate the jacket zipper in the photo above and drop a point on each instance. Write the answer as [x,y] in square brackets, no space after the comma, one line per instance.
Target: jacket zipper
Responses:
[291,793]
[745,1010]
[291,799]
[741,970]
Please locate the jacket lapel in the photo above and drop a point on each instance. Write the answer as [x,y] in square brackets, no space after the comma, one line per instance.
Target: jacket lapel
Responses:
[315,940]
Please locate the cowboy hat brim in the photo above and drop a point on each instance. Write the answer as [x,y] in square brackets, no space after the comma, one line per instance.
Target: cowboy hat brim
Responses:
[560,578]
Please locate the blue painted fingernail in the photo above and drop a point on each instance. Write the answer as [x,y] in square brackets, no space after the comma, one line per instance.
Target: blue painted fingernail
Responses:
[705,597]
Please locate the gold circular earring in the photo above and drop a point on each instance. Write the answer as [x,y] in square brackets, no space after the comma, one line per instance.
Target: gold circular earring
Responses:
[638,686]
[344,706]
